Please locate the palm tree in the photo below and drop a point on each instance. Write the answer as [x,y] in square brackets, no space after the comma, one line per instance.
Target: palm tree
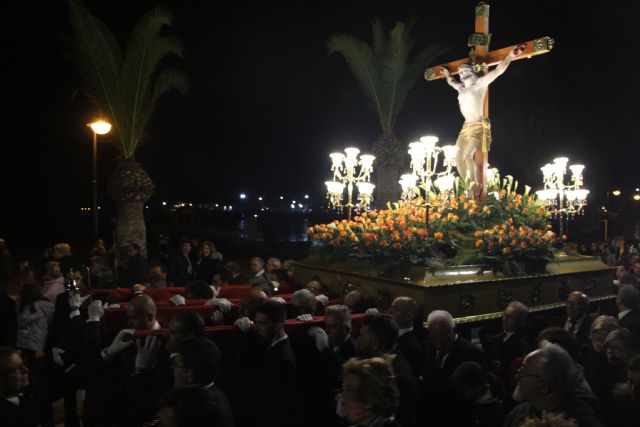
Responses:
[124,86]
[385,75]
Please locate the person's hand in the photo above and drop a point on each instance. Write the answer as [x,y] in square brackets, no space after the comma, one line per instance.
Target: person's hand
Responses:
[76,300]
[305,318]
[95,311]
[223,304]
[178,299]
[372,310]
[57,355]
[217,316]
[118,345]
[323,299]
[215,291]
[519,49]
[320,337]
[147,352]
[278,299]
[446,72]
[275,285]
[244,323]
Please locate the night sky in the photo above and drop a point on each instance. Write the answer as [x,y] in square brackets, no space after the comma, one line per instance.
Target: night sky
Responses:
[267,104]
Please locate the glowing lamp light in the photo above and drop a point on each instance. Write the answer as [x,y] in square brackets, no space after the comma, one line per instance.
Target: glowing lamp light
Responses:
[365,188]
[576,170]
[616,192]
[243,196]
[445,183]
[100,127]
[336,159]
[366,160]
[306,196]
[334,187]
[352,152]
[450,151]
[429,142]
[636,197]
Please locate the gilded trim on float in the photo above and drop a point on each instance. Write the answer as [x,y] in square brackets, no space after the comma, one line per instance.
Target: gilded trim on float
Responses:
[498,314]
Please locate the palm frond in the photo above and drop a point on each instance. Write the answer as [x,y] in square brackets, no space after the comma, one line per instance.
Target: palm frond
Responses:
[379,39]
[393,67]
[167,79]
[414,71]
[144,51]
[362,63]
[99,61]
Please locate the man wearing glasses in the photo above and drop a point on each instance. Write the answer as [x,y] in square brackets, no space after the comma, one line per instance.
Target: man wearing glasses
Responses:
[19,404]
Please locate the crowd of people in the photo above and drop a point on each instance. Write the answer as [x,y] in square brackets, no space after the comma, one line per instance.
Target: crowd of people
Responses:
[302,358]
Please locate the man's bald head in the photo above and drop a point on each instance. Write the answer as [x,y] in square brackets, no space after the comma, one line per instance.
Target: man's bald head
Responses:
[250,302]
[404,311]
[142,312]
[355,300]
[577,305]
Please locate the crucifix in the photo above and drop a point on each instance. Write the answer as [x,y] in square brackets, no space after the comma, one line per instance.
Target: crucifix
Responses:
[473,93]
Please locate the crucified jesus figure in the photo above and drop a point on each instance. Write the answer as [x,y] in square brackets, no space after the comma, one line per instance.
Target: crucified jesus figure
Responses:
[476,130]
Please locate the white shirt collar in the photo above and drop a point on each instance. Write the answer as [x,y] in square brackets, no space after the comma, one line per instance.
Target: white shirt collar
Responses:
[156,326]
[282,338]
[259,273]
[507,335]
[15,400]
[623,313]
[401,332]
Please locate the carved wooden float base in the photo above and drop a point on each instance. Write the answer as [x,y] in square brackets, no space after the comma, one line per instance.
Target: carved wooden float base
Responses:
[470,293]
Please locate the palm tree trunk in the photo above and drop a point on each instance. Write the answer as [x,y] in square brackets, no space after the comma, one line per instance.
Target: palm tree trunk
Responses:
[390,158]
[130,187]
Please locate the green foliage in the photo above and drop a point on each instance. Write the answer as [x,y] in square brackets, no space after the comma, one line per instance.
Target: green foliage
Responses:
[125,85]
[384,71]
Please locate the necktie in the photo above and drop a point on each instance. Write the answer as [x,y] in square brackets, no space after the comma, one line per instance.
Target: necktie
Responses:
[189,267]
[439,358]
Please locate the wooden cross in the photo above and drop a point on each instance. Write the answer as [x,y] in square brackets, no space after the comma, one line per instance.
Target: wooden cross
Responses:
[482,59]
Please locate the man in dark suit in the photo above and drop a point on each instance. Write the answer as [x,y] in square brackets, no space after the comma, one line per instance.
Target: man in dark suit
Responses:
[379,337]
[181,268]
[197,364]
[503,344]
[337,319]
[21,403]
[628,301]
[578,320]
[136,270]
[404,311]
[269,391]
[444,352]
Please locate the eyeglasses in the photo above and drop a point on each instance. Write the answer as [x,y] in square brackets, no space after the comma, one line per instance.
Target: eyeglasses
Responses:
[522,373]
[20,369]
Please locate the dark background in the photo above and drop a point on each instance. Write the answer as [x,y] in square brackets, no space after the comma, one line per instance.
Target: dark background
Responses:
[267,105]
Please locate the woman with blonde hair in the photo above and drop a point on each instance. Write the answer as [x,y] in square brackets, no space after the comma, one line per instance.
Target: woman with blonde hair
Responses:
[53,281]
[369,396]
[207,263]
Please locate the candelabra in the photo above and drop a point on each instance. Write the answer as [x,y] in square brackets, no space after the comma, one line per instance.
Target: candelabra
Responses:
[425,156]
[563,201]
[346,175]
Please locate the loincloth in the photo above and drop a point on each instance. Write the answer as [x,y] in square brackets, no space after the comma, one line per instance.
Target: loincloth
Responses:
[479,133]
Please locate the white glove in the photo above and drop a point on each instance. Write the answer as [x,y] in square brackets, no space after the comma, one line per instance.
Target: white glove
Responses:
[117,345]
[217,316]
[305,318]
[95,311]
[278,299]
[244,323]
[320,336]
[57,355]
[112,305]
[76,300]
[216,291]
[178,299]
[371,311]
[223,304]
[147,352]
[324,300]
[275,285]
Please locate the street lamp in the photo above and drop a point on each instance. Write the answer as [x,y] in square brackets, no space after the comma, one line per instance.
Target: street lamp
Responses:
[563,200]
[99,127]
[345,175]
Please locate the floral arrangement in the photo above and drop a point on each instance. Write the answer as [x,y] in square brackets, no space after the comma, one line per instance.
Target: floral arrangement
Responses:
[508,232]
